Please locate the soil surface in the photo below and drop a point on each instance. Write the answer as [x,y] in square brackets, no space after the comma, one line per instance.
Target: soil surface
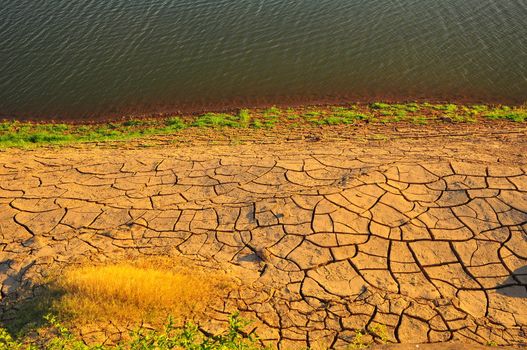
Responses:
[417,228]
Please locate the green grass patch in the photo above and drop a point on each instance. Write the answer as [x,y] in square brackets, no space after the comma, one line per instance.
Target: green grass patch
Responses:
[175,123]
[419,120]
[507,113]
[342,116]
[445,107]
[215,120]
[273,110]
[460,118]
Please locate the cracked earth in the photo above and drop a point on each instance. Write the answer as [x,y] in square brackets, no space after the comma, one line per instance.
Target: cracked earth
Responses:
[426,235]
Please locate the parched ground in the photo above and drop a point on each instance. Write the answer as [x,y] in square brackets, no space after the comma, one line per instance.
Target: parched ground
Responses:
[422,229]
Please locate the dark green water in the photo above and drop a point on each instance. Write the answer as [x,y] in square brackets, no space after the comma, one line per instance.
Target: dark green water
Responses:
[79,58]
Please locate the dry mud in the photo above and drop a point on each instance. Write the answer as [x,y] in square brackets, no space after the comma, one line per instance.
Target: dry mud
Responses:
[425,234]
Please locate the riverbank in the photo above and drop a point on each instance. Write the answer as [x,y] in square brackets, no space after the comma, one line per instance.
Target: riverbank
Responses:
[31,134]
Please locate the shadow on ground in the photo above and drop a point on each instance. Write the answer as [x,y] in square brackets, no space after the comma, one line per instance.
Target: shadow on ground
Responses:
[28,313]
[515,285]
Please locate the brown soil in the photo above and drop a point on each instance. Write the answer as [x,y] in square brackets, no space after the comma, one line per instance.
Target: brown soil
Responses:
[420,229]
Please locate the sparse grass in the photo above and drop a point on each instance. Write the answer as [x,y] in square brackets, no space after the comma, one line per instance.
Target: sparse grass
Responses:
[18,134]
[364,339]
[359,342]
[518,114]
[214,120]
[379,331]
[147,290]
[419,120]
[450,108]
[273,110]
[189,337]
[341,116]
[175,123]
[459,118]
[244,117]
[270,117]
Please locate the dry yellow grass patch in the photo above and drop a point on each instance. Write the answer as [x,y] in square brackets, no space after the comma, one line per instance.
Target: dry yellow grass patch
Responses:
[146,291]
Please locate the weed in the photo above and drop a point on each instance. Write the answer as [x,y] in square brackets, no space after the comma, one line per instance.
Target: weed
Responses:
[312,114]
[445,107]
[515,115]
[379,105]
[459,118]
[175,123]
[257,124]
[399,110]
[359,341]
[272,110]
[344,117]
[244,118]
[331,120]
[380,331]
[216,120]
[419,120]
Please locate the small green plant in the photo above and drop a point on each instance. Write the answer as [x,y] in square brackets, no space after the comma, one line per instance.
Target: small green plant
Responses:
[312,114]
[271,116]
[358,341]
[491,343]
[244,118]
[380,331]
[273,110]
[8,343]
[380,105]
[398,110]
[269,120]
[257,124]
[419,120]
[445,107]
[515,115]
[175,123]
[216,120]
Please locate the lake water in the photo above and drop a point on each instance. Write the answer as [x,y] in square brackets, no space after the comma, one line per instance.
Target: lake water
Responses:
[81,58]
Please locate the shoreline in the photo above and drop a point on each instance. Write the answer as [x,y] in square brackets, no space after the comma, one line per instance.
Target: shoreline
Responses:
[193,109]
[26,133]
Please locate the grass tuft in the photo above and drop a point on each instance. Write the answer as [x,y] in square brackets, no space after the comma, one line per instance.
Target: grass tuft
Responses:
[148,290]
[175,123]
[516,115]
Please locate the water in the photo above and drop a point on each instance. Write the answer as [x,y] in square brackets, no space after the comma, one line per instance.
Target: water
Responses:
[82,58]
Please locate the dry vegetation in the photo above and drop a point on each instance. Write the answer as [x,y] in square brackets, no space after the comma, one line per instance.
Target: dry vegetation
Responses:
[147,291]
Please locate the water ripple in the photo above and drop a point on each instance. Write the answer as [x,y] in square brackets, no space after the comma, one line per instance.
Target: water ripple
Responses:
[72,57]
